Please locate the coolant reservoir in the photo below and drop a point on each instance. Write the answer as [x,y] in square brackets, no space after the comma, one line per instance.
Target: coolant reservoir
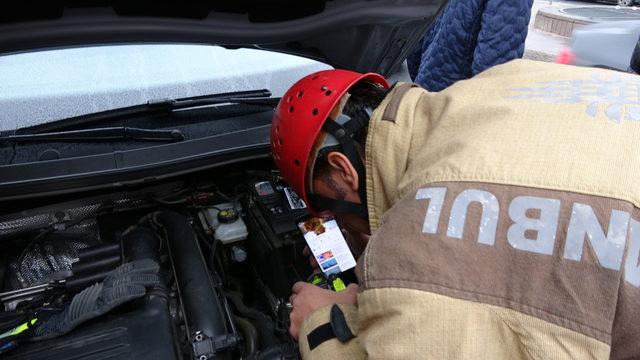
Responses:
[224,221]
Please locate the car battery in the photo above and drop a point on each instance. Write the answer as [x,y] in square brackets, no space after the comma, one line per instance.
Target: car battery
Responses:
[273,210]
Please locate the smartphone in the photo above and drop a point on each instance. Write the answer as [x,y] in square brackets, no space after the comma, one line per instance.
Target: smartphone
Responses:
[327,244]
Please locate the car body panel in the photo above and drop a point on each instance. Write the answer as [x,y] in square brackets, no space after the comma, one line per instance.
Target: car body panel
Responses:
[123,169]
[352,34]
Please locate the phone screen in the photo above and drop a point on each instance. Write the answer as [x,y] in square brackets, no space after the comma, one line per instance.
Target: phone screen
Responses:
[328,245]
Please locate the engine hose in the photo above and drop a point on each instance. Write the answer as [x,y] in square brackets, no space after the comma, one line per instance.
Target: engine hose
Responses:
[140,242]
[267,338]
[200,303]
[93,265]
[98,251]
[79,282]
[250,335]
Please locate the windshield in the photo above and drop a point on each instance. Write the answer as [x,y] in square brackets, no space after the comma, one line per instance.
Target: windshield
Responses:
[44,86]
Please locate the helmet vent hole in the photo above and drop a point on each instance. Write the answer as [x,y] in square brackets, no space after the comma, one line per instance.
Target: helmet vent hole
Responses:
[280,142]
[277,129]
[315,77]
[300,94]
[289,99]
[328,92]
[324,88]
[315,112]
[297,162]
[290,109]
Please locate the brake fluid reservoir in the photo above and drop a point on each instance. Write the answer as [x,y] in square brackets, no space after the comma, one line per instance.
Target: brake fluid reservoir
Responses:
[225,222]
[231,228]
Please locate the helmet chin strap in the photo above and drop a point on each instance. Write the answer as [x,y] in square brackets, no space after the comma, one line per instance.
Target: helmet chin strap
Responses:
[342,131]
[339,206]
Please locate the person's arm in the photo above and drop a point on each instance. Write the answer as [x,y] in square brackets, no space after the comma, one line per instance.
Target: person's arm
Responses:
[502,34]
[325,322]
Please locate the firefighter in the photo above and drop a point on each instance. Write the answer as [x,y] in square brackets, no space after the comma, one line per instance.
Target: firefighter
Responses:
[498,217]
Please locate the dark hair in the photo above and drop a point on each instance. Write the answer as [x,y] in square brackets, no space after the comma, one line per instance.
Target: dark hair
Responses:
[364,95]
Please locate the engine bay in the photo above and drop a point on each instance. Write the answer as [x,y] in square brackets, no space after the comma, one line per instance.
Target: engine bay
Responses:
[226,250]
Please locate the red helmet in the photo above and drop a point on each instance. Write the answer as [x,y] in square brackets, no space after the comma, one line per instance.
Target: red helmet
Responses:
[300,116]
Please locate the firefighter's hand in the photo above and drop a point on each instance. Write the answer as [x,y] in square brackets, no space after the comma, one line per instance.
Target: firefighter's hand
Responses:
[307,298]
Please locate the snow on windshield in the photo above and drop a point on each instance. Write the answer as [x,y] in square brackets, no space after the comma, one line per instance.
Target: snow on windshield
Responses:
[49,85]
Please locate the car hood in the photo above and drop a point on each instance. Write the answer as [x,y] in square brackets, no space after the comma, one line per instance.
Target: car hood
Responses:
[360,35]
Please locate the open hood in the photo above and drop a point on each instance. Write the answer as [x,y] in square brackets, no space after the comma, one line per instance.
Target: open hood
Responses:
[360,35]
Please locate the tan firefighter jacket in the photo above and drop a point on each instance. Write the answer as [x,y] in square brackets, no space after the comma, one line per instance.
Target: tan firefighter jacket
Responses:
[505,221]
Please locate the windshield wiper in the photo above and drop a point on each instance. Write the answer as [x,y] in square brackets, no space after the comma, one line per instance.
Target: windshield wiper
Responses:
[156,107]
[120,133]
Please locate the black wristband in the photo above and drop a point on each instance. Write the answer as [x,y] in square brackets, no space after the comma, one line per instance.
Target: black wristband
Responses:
[319,335]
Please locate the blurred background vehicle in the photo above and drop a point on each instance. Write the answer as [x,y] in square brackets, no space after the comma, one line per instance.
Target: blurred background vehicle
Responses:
[617,2]
[626,2]
[607,45]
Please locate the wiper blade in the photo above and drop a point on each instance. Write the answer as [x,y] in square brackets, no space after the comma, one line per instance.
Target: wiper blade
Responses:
[163,106]
[120,133]
[259,97]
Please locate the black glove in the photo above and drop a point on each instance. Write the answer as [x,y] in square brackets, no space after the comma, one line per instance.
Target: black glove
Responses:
[127,282]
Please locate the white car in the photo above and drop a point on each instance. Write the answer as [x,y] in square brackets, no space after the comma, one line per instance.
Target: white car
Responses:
[608,45]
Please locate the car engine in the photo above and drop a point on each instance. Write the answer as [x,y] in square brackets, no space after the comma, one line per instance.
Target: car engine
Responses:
[227,250]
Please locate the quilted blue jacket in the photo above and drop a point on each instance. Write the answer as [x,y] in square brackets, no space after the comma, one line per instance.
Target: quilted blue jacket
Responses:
[468,37]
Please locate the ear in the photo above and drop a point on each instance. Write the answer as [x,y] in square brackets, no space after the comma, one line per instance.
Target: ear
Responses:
[342,166]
